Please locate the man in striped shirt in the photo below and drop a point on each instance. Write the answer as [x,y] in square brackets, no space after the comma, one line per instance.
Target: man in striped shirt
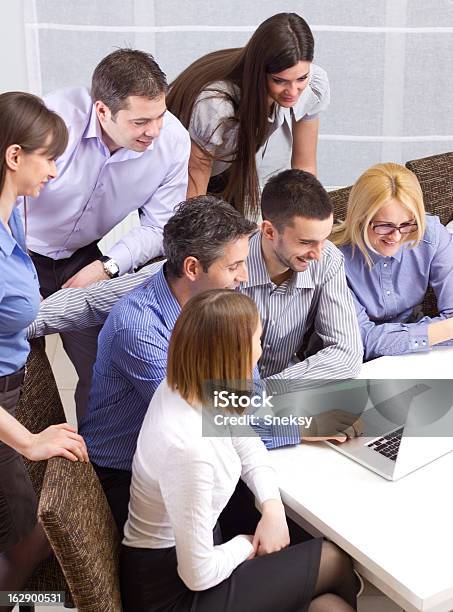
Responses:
[295,276]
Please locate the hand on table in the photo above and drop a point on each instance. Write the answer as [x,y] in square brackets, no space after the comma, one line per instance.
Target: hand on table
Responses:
[57,440]
[92,273]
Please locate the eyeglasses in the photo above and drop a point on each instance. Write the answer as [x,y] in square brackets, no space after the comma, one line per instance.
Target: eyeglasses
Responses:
[384,229]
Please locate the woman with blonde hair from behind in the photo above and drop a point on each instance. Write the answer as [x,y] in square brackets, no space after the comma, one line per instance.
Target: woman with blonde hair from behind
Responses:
[393,252]
[173,558]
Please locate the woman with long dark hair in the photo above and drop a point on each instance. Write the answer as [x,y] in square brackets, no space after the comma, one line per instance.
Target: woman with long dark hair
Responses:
[233,100]
[31,137]
[184,473]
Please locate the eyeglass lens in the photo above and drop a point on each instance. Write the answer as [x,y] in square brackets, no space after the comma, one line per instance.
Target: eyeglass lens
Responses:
[388,228]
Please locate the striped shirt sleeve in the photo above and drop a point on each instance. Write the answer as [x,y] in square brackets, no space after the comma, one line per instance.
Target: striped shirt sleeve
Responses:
[75,309]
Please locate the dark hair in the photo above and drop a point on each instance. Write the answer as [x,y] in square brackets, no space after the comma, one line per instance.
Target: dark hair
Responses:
[126,72]
[294,193]
[27,122]
[277,44]
[201,227]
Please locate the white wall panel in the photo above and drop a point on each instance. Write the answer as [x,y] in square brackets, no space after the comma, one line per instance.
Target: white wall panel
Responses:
[389,62]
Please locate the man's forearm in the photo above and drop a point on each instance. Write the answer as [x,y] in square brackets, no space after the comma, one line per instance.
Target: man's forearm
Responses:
[74,309]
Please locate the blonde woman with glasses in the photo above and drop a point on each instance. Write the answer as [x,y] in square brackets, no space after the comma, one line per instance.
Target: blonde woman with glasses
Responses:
[393,252]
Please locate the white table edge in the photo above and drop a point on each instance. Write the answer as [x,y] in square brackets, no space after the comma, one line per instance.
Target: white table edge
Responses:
[397,592]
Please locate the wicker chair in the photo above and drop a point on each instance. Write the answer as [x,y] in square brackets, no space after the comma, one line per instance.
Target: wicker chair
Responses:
[40,406]
[339,198]
[71,498]
[79,525]
[435,175]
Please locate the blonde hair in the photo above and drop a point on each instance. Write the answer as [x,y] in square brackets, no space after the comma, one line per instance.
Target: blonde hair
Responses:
[373,190]
[212,343]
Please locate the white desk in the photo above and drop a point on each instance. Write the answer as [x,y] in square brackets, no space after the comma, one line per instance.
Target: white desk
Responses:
[437,363]
[399,533]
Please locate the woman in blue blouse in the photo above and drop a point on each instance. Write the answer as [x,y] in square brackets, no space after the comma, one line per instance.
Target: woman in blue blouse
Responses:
[31,137]
[393,252]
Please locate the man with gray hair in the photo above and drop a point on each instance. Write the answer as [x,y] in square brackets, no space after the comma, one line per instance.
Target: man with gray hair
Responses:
[296,279]
[206,245]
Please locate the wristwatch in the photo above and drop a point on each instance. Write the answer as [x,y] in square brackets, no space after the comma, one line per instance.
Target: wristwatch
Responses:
[111,268]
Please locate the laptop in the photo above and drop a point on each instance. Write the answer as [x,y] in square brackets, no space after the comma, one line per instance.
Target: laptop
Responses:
[406,425]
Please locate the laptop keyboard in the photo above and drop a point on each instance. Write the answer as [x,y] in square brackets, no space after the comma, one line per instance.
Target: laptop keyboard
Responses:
[389,444]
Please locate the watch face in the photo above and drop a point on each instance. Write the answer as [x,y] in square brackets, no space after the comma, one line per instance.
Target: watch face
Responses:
[111,268]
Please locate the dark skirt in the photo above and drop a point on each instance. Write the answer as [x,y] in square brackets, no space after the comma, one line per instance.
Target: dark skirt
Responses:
[18,502]
[283,581]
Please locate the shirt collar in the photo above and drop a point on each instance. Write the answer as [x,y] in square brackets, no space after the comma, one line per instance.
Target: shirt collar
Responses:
[258,274]
[8,241]
[169,307]
[271,118]
[376,258]
[93,129]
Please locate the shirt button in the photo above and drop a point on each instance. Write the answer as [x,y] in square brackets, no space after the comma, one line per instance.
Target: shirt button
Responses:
[388,292]
[424,342]
[385,265]
[272,322]
[416,343]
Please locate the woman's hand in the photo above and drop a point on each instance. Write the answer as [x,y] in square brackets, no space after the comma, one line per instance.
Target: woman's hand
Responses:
[271,532]
[57,440]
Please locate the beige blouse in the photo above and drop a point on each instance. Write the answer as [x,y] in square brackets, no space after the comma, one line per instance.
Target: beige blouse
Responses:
[212,125]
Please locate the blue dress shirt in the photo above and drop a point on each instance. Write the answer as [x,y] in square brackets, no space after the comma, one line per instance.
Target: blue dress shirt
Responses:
[19,296]
[388,296]
[130,364]
[95,190]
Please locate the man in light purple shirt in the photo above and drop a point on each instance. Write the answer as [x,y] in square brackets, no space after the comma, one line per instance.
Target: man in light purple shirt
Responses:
[126,152]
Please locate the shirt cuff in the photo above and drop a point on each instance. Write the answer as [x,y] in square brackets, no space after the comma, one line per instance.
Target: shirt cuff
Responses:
[32,330]
[239,548]
[418,338]
[274,436]
[121,254]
